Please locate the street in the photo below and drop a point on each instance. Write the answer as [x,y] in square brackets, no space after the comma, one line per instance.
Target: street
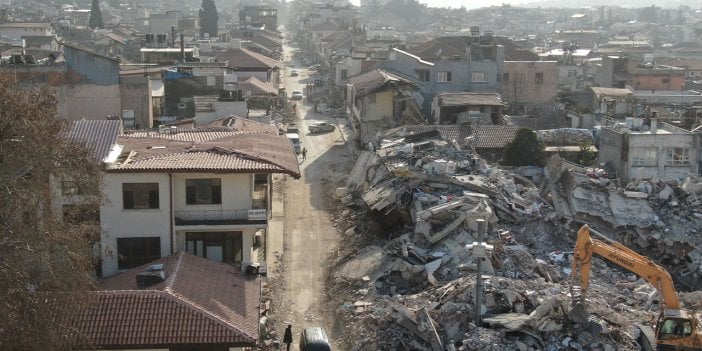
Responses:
[309,236]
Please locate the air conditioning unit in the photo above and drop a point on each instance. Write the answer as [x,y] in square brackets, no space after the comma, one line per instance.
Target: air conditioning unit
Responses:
[181,105]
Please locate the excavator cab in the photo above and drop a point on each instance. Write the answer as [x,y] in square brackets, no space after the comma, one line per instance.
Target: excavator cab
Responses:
[677,328]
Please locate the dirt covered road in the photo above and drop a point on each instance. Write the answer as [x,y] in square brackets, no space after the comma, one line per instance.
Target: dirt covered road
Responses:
[309,236]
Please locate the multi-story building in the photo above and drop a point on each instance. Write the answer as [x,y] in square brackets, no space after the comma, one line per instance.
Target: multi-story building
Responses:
[204,191]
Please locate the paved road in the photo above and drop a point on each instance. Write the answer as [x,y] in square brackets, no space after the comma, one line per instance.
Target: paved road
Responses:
[308,234]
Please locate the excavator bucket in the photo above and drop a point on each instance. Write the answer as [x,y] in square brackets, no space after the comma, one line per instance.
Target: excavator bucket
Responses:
[579,313]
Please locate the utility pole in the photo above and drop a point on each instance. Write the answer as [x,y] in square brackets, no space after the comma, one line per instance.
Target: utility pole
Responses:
[479,250]
[479,275]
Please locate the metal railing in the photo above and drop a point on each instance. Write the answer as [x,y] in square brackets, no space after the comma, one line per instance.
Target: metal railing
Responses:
[204,217]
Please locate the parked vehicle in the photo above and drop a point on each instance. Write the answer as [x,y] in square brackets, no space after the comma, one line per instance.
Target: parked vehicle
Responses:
[294,73]
[314,339]
[295,139]
[321,127]
[296,95]
[293,128]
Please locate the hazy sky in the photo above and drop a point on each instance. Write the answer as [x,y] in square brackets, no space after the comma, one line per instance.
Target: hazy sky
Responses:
[458,3]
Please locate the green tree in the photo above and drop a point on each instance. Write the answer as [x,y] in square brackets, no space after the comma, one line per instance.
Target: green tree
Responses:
[96,16]
[586,155]
[208,19]
[524,150]
[41,254]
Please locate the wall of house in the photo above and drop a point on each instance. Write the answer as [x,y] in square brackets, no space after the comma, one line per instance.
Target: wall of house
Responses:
[135,95]
[620,149]
[17,33]
[93,68]
[89,101]
[673,81]
[661,142]
[236,192]
[222,109]
[120,223]
[522,86]
[377,106]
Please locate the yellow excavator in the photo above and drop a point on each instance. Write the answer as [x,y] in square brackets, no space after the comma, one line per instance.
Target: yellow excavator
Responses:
[676,329]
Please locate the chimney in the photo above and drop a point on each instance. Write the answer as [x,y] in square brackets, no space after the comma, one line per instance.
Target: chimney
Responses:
[182,48]
[172,36]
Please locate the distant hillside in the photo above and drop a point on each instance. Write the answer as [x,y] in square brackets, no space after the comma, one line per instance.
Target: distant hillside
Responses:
[695,4]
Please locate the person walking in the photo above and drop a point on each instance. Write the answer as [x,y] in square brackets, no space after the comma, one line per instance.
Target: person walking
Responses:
[304,153]
[287,338]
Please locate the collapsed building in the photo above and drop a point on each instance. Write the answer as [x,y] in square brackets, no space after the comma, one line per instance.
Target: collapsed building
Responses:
[433,197]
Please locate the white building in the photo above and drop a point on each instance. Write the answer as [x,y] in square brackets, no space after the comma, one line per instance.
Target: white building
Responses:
[204,191]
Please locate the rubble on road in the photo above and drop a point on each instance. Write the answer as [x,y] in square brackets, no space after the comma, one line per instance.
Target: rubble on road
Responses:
[413,288]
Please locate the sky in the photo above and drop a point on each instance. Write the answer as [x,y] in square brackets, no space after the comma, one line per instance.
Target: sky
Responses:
[458,3]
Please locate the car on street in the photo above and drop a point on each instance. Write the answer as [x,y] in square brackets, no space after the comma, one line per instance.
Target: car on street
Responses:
[294,73]
[296,95]
[321,127]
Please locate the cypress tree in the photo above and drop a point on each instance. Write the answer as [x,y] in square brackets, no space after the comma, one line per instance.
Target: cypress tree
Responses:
[208,18]
[96,16]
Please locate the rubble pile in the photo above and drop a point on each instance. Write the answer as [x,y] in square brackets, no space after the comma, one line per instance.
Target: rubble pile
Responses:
[414,288]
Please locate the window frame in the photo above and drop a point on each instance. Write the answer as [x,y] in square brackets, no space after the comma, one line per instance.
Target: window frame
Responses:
[151,246]
[475,77]
[423,75]
[192,192]
[647,157]
[677,157]
[443,77]
[152,200]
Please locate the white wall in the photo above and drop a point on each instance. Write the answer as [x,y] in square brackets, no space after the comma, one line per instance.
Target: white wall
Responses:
[120,223]
[236,192]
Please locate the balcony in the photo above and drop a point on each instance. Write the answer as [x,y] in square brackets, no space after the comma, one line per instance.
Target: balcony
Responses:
[221,217]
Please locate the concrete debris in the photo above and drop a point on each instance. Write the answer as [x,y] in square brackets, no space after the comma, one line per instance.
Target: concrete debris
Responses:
[414,288]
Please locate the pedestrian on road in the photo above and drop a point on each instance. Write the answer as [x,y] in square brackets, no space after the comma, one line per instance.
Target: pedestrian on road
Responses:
[304,153]
[287,338]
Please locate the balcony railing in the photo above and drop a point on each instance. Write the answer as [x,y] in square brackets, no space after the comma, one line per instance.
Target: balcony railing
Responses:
[221,217]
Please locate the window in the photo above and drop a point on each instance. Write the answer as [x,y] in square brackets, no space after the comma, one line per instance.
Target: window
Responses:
[505,78]
[665,80]
[478,77]
[644,157]
[344,74]
[444,77]
[539,78]
[140,195]
[678,156]
[216,246]
[133,252]
[572,73]
[423,74]
[203,191]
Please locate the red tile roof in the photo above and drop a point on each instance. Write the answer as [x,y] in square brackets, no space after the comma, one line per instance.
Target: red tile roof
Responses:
[201,302]
[493,136]
[244,58]
[212,149]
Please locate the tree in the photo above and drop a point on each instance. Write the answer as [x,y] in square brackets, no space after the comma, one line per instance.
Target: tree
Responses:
[96,16]
[208,19]
[42,256]
[524,150]
[586,155]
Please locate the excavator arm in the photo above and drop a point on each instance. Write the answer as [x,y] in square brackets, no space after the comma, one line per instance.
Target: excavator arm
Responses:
[619,254]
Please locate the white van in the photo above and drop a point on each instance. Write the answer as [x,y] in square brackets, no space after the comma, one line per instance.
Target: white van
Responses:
[295,139]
